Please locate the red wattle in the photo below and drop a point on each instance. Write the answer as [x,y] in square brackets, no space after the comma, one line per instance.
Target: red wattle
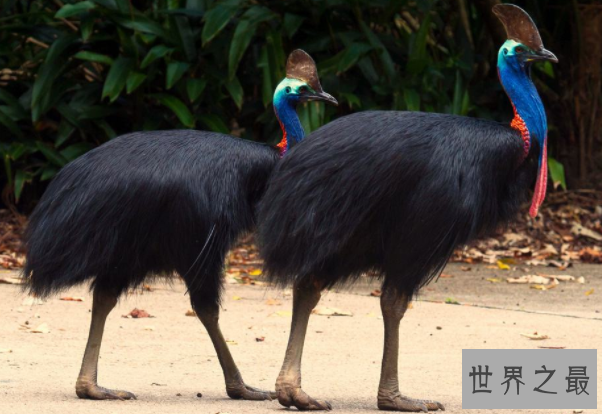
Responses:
[542,182]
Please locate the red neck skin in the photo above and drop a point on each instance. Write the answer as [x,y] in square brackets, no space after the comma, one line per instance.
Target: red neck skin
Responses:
[540,186]
[283,144]
[520,125]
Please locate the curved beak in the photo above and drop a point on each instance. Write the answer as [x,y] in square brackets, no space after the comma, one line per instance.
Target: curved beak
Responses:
[542,54]
[319,96]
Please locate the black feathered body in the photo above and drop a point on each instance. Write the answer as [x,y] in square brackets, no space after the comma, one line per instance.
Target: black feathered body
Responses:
[143,204]
[391,192]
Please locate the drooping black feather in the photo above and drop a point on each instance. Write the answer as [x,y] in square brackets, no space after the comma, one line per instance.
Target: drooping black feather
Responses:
[144,204]
[393,192]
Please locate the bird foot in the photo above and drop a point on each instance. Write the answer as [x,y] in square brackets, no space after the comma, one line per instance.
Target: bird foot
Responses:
[96,392]
[295,396]
[397,402]
[240,391]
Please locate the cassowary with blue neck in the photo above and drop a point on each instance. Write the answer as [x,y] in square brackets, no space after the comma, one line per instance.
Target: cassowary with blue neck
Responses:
[152,204]
[394,193]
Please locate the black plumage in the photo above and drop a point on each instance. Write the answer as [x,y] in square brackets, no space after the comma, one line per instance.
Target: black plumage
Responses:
[393,192]
[147,204]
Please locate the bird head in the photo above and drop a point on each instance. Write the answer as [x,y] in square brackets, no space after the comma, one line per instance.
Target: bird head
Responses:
[524,45]
[301,83]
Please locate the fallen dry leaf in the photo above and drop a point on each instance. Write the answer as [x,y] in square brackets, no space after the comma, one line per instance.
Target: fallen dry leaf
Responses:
[535,336]
[410,306]
[331,312]
[11,280]
[451,301]
[538,287]
[149,328]
[273,302]
[236,298]
[446,276]
[137,314]
[589,292]
[580,279]
[376,293]
[255,272]
[502,265]
[529,279]
[465,268]
[72,299]
[43,329]
[579,230]
[260,339]
[190,312]
[494,280]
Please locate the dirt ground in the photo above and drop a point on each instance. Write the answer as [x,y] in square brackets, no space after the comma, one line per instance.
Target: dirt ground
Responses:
[168,359]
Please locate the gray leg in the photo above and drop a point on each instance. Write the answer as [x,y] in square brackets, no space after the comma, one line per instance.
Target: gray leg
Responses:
[393,308]
[235,386]
[86,386]
[288,385]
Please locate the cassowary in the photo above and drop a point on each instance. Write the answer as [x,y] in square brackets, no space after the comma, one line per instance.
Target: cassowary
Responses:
[156,203]
[395,193]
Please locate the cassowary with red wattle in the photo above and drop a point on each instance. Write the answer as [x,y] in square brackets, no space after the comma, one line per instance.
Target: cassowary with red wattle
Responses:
[395,193]
[156,203]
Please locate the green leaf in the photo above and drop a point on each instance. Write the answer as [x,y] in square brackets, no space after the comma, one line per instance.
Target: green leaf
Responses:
[186,37]
[178,107]
[134,80]
[10,124]
[194,88]
[64,132]
[117,77]
[69,10]
[109,4]
[76,150]
[20,178]
[48,172]
[235,89]
[240,42]
[51,154]
[47,74]
[412,99]
[291,23]
[94,57]
[384,55]
[154,54]
[214,123]
[557,173]
[175,70]
[87,27]
[352,99]
[352,54]
[217,18]
[143,24]
[17,112]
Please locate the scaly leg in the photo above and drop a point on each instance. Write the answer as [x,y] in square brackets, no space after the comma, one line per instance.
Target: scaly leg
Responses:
[235,386]
[86,386]
[288,385]
[389,398]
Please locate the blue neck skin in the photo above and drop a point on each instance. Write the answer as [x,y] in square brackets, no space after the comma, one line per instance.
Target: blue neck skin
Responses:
[515,77]
[285,107]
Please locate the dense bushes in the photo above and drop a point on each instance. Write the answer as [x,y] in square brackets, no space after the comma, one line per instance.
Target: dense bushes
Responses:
[77,73]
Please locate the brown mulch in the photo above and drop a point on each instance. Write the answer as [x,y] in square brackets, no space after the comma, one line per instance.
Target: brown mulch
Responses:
[11,248]
[568,230]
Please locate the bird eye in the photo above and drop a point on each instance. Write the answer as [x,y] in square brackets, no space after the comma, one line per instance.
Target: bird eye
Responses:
[505,51]
[519,49]
[303,89]
[288,89]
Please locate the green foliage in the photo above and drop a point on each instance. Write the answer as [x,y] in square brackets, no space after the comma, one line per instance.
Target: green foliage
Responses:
[83,73]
